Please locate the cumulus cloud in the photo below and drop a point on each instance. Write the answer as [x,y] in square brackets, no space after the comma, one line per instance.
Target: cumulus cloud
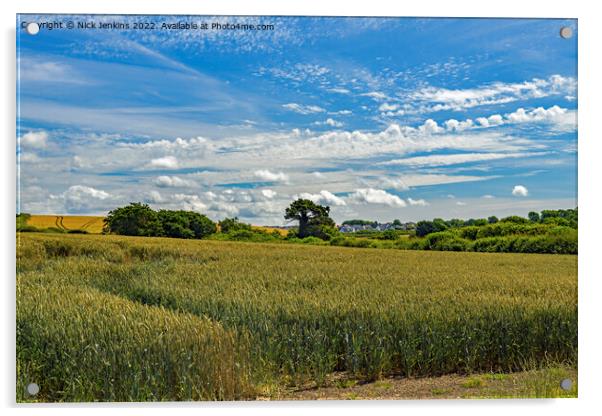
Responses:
[395,183]
[268,193]
[173,181]
[79,198]
[443,99]
[267,175]
[520,190]
[376,196]
[190,202]
[419,202]
[563,118]
[34,139]
[323,197]
[303,109]
[153,197]
[167,162]
[333,123]
[430,126]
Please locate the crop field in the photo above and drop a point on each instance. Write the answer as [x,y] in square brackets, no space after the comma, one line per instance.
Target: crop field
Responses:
[110,318]
[92,225]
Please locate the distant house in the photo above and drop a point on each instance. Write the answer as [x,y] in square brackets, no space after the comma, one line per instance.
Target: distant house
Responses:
[352,228]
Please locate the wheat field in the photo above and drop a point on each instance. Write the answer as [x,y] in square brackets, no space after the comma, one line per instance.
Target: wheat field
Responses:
[119,318]
[92,225]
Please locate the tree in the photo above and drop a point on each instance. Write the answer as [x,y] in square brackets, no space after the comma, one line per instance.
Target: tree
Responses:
[397,224]
[185,224]
[534,216]
[135,219]
[492,220]
[233,224]
[427,227]
[515,219]
[314,220]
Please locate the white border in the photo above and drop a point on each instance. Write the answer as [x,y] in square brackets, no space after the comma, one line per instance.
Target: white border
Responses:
[590,138]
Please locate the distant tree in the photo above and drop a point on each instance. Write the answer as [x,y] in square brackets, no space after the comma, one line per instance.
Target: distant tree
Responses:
[397,224]
[185,224]
[427,227]
[534,216]
[515,219]
[389,235]
[455,223]
[233,224]
[492,220]
[477,222]
[360,222]
[314,220]
[135,219]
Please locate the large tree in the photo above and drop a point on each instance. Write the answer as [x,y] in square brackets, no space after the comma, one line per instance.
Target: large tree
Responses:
[314,220]
[134,219]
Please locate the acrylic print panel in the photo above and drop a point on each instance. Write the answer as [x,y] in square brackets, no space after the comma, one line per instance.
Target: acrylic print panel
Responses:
[242,208]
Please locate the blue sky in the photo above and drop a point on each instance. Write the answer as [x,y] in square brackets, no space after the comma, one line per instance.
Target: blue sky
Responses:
[378,118]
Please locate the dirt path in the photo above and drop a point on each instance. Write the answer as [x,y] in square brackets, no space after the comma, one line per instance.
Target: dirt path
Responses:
[531,384]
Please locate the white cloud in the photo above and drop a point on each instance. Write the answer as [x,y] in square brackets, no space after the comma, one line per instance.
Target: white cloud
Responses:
[488,196]
[303,109]
[454,159]
[396,183]
[376,196]
[385,107]
[153,197]
[167,162]
[190,202]
[81,198]
[323,197]
[268,193]
[375,95]
[455,125]
[430,126]
[342,112]
[333,123]
[34,139]
[419,202]
[173,181]
[520,190]
[339,90]
[441,99]
[267,175]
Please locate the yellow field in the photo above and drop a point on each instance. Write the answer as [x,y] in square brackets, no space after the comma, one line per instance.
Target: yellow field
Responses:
[114,318]
[92,225]
[271,229]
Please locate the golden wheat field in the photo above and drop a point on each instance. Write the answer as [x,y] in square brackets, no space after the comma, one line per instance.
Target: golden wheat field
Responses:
[110,318]
[92,225]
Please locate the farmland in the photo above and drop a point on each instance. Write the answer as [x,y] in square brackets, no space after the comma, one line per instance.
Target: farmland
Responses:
[92,225]
[104,317]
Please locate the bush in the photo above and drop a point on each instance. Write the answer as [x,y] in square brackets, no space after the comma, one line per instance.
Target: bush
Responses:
[445,241]
[135,219]
[185,224]
[233,224]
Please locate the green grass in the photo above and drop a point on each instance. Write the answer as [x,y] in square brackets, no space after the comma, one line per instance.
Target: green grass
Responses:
[267,314]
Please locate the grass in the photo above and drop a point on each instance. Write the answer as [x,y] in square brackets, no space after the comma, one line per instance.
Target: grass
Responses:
[540,383]
[286,314]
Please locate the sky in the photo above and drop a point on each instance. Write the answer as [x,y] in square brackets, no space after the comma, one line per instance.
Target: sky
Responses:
[378,118]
